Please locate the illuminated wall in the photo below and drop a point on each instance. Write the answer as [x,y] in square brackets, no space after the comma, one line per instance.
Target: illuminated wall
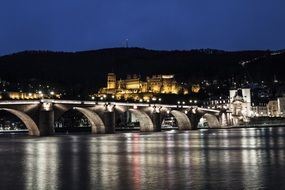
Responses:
[133,83]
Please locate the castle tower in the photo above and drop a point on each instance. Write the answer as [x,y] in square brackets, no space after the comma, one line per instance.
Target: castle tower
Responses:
[111,81]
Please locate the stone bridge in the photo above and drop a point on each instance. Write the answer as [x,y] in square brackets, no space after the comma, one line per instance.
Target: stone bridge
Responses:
[39,116]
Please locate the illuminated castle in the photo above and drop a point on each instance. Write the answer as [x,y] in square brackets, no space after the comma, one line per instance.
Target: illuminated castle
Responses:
[135,88]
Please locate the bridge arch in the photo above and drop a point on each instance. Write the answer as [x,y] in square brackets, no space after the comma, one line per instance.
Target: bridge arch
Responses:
[212,120]
[183,122]
[97,125]
[27,120]
[146,124]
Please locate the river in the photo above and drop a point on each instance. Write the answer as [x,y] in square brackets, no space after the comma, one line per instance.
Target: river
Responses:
[203,159]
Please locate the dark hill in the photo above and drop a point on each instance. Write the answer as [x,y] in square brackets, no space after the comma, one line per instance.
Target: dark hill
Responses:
[89,68]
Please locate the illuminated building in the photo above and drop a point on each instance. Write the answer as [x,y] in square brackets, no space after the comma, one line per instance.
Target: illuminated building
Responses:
[259,110]
[28,95]
[281,106]
[195,88]
[272,108]
[276,108]
[133,87]
[219,103]
[240,105]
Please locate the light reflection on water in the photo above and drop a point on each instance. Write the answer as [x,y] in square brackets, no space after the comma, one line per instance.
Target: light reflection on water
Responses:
[205,159]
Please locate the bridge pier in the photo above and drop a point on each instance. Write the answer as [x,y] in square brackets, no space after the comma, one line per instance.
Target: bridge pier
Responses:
[229,119]
[194,119]
[109,121]
[155,117]
[46,120]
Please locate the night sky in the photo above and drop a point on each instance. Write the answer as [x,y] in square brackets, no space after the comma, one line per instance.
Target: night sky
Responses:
[74,25]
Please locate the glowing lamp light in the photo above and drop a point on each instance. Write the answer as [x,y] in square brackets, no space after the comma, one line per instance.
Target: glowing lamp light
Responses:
[52,93]
[110,108]
[135,107]
[156,110]
[46,106]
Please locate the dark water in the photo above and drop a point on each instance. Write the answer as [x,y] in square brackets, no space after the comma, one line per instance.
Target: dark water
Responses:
[205,159]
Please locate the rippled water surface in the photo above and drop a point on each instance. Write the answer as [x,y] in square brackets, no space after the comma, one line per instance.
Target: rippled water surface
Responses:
[205,159]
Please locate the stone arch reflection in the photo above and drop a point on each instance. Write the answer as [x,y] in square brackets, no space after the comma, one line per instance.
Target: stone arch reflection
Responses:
[26,119]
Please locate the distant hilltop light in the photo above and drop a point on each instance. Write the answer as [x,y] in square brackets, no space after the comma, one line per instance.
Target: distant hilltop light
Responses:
[243,63]
[275,53]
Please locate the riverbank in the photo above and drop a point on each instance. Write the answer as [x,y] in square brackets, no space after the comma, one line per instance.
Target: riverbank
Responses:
[259,125]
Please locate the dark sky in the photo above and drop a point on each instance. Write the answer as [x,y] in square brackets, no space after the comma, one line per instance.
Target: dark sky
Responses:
[72,25]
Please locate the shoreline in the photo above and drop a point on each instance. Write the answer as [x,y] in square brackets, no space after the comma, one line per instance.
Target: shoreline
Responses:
[257,125]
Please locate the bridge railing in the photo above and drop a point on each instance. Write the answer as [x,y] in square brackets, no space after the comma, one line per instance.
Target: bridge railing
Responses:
[76,102]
